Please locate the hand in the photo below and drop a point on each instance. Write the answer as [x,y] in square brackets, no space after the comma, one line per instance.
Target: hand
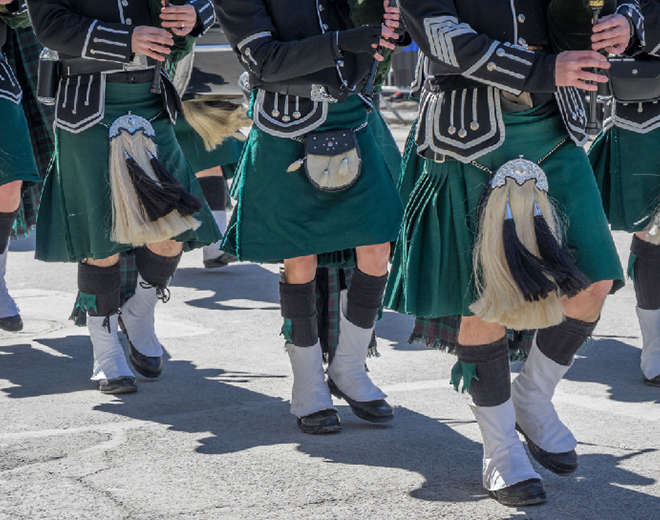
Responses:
[6,2]
[571,69]
[611,33]
[151,41]
[181,19]
[392,19]
[366,39]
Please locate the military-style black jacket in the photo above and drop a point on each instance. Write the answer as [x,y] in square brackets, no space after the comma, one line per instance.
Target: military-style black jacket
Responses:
[99,31]
[642,117]
[474,50]
[289,49]
[9,87]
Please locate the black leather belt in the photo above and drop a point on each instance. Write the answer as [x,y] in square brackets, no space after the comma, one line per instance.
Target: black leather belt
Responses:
[131,76]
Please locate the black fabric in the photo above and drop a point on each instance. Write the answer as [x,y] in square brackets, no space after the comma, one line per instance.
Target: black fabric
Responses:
[155,269]
[646,273]
[102,282]
[6,225]
[561,342]
[493,386]
[298,304]
[359,40]
[365,296]
[215,191]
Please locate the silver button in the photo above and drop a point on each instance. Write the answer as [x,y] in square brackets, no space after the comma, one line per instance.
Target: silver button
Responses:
[248,52]
[92,51]
[521,18]
[522,42]
[124,3]
[634,71]
[474,126]
[325,27]
[129,21]
[96,40]
[275,113]
[462,133]
[451,130]
[500,52]
[491,66]
[297,115]
[321,8]
[340,63]
[286,119]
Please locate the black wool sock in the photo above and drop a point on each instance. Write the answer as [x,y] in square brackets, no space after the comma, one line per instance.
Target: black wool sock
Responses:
[561,342]
[215,191]
[298,303]
[646,274]
[493,371]
[6,224]
[103,284]
[365,297]
[155,269]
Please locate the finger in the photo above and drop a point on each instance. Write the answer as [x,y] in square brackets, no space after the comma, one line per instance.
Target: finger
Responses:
[160,40]
[607,22]
[156,32]
[386,44]
[393,10]
[182,32]
[378,57]
[585,86]
[159,49]
[617,49]
[590,76]
[387,33]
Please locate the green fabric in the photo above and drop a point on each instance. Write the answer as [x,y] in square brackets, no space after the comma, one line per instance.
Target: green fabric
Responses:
[627,169]
[280,214]
[14,21]
[463,371]
[75,215]
[225,155]
[386,143]
[631,266]
[16,157]
[431,273]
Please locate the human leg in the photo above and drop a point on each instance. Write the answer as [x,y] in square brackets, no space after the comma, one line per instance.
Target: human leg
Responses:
[550,442]
[156,263]
[311,402]
[347,374]
[214,187]
[10,198]
[483,357]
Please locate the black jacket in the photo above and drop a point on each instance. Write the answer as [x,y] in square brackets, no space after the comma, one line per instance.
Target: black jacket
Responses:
[9,87]
[473,50]
[100,32]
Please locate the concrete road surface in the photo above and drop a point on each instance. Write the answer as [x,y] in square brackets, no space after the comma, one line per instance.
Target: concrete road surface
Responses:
[213,438]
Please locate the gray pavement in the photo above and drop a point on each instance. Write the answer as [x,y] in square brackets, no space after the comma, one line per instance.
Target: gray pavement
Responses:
[213,438]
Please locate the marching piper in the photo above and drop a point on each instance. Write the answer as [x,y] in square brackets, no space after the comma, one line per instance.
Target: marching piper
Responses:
[500,134]
[120,180]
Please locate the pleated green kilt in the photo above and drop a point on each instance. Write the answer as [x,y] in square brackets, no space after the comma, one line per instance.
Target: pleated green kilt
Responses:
[431,273]
[75,216]
[627,169]
[16,156]
[386,143]
[281,215]
[225,155]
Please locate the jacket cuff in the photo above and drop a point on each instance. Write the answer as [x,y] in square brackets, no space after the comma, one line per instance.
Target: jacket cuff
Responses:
[542,76]
[205,16]
[636,20]
[504,66]
[108,43]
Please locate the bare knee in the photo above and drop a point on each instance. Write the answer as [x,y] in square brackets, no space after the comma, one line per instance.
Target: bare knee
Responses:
[211,172]
[475,331]
[168,248]
[10,196]
[103,262]
[373,259]
[586,306]
[301,269]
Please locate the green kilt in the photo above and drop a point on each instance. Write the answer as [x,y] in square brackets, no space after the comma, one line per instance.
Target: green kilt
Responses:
[627,169]
[75,216]
[386,143]
[225,155]
[432,269]
[16,156]
[281,215]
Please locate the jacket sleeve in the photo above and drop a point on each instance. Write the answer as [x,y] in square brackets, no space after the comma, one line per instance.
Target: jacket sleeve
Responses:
[251,33]
[205,16]
[650,10]
[58,27]
[456,48]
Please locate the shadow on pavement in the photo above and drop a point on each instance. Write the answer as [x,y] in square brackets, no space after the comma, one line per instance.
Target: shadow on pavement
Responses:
[235,282]
[616,364]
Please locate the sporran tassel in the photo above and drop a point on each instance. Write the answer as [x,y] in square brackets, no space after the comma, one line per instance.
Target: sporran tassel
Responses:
[186,203]
[132,204]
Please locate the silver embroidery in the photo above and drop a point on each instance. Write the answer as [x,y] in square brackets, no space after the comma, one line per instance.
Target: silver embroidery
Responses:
[319,93]
[440,33]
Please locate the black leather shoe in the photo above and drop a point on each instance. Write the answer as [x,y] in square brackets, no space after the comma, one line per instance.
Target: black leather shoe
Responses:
[564,463]
[377,411]
[526,493]
[651,382]
[221,261]
[147,366]
[325,421]
[11,323]
[118,385]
